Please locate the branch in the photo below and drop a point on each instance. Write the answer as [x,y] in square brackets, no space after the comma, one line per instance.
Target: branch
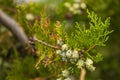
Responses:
[13,27]
[90,48]
[83,73]
[44,43]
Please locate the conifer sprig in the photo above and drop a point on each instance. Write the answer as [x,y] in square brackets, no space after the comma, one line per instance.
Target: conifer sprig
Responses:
[95,35]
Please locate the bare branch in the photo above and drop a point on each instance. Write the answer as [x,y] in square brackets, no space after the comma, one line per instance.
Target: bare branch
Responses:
[44,43]
[13,27]
[83,73]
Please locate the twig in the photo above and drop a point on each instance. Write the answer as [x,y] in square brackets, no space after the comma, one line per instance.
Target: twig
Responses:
[44,43]
[90,48]
[83,73]
[37,64]
[13,27]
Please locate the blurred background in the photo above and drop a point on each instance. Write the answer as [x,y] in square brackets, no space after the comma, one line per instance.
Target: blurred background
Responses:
[70,11]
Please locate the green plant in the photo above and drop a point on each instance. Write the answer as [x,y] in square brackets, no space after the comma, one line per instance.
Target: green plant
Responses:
[29,15]
[65,53]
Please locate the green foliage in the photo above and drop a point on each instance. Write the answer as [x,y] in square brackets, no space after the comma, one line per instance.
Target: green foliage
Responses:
[96,58]
[22,69]
[4,3]
[95,35]
[25,69]
[80,37]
